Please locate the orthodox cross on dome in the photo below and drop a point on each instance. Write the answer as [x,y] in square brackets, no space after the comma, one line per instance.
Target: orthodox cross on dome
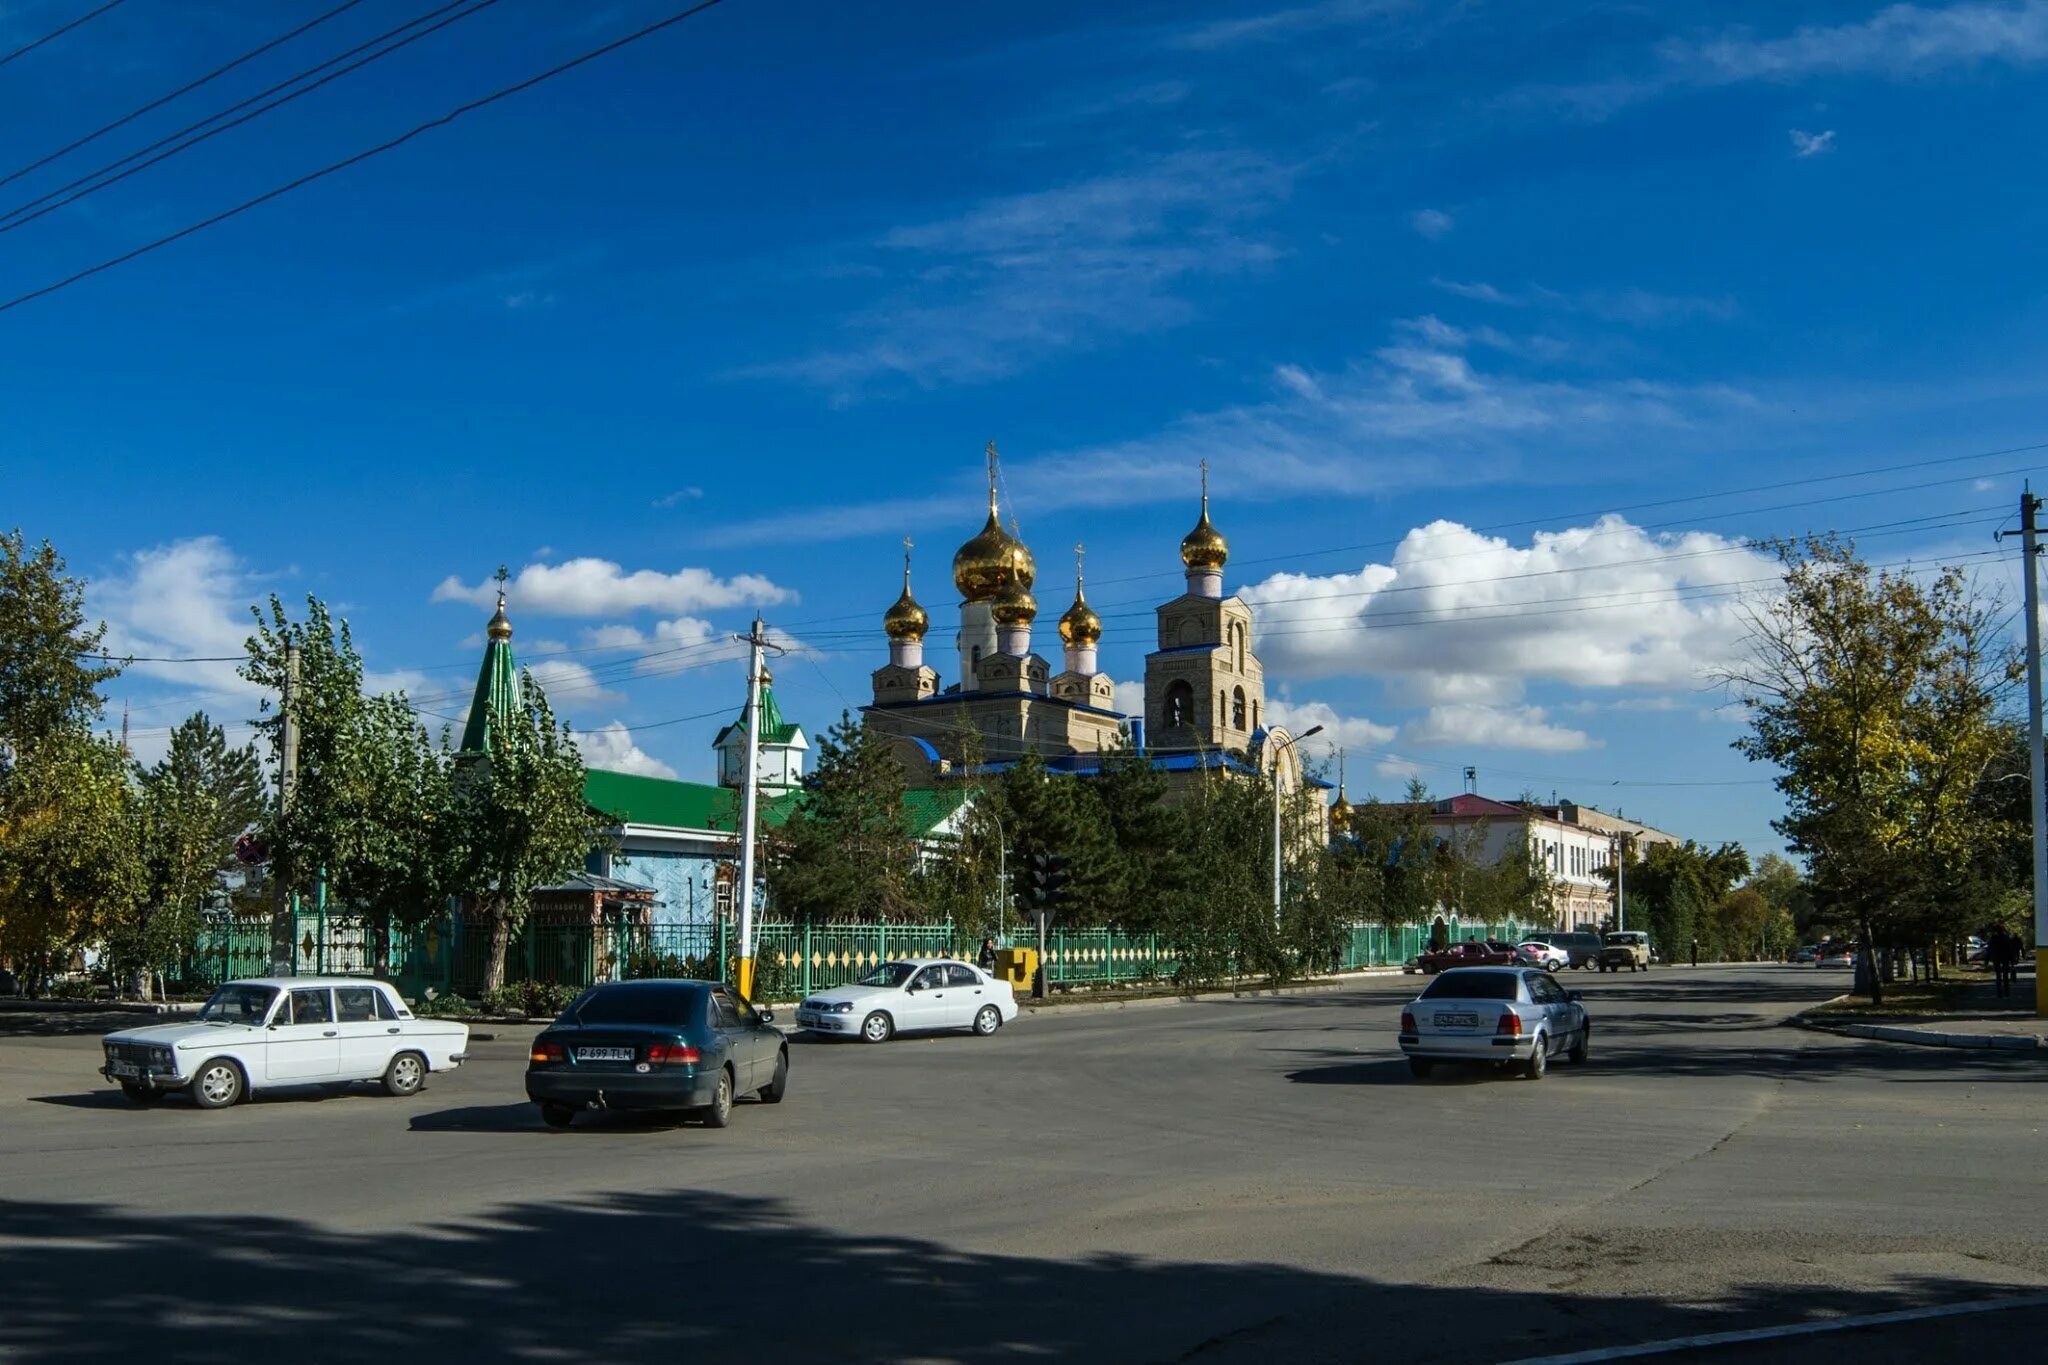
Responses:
[993,474]
[1205,483]
[502,575]
[906,563]
[1080,555]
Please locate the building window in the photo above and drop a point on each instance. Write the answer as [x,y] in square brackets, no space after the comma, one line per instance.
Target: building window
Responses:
[1237,709]
[1180,705]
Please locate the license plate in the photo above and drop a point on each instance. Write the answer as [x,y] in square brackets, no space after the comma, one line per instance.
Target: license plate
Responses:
[803,1018]
[124,1068]
[1457,1021]
[604,1054]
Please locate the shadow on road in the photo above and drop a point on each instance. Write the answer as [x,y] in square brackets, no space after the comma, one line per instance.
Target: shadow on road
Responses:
[696,1274]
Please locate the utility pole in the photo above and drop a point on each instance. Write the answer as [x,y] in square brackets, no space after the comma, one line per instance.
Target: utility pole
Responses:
[283,925]
[1620,883]
[2030,507]
[1292,739]
[757,640]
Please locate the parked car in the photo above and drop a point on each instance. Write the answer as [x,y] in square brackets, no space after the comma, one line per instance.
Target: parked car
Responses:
[1802,956]
[1583,947]
[667,1045]
[1836,955]
[1470,953]
[1502,1016]
[914,995]
[1628,948]
[1537,953]
[276,1033]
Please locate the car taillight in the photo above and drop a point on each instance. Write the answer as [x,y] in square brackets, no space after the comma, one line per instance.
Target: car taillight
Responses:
[547,1052]
[1510,1025]
[1407,1022]
[672,1054]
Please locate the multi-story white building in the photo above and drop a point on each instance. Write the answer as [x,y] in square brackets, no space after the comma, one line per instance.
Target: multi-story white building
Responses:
[1574,843]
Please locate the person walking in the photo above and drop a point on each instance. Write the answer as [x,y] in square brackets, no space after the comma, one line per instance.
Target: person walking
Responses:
[2004,951]
[986,960]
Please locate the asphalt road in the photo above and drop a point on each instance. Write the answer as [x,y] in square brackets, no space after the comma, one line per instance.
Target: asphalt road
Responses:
[1232,1180]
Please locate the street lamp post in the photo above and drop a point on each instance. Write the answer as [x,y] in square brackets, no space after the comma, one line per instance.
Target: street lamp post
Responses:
[1292,739]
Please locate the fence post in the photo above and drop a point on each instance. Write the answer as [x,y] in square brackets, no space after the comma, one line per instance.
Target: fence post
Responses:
[722,969]
[807,959]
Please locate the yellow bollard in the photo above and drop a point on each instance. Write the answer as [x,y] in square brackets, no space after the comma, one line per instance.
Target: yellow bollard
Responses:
[746,978]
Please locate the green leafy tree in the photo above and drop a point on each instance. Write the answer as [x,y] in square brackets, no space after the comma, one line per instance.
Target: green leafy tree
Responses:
[1053,813]
[1225,928]
[69,865]
[50,672]
[189,808]
[847,852]
[397,862]
[1875,694]
[518,820]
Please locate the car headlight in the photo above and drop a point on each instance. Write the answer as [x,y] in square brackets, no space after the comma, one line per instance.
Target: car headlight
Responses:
[843,1007]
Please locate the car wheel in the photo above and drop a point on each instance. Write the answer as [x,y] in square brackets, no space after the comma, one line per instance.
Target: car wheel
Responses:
[1578,1049]
[218,1084]
[141,1094]
[1550,967]
[557,1115]
[876,1028]
[1420,1067]
[406,1074]
[719,1113]
[773,1092]
[987,1020]
[1539,1059]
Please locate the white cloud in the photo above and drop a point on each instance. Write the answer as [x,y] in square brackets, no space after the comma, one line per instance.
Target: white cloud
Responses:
[599,587]
[1416,413]
[1805,144]
[187,598]
[1339,731]
[1397,767]
[1014,278]
[1641,307]
[668,500]
[1290,22]
[1431,223]
[1130,698]
[568,683]
[1459,618]
[1901,41]
[612,749]
[1495,727]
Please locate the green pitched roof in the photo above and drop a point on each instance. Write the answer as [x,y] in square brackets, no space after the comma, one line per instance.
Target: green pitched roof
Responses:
[497,692]
[632,799]
[774,729]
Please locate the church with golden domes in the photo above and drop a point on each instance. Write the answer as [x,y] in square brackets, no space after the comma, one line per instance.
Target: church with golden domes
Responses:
[1205,692]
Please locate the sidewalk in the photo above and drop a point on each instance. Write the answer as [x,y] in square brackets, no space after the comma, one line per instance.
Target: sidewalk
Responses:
[1972,1016]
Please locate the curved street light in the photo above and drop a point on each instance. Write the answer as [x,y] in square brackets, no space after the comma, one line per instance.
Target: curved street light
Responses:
[1290,740]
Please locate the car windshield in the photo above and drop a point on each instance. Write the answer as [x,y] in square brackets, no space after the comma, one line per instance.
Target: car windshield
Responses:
[238,1005]
[637,1003]
[889,974]
[1474,986]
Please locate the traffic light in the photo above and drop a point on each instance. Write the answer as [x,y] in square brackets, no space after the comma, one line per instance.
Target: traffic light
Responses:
[1046,882]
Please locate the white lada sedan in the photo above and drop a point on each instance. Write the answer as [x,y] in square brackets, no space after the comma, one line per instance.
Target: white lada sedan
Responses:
[1504,1015]
[910,996]
[279,1032]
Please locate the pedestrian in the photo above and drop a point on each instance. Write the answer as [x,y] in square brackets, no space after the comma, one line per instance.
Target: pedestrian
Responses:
[2003,948]
[987,959]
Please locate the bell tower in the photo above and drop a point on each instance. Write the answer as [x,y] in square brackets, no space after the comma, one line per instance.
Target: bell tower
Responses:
[1204,688]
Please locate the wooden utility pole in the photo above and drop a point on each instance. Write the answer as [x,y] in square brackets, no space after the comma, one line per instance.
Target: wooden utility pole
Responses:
[283,925]
[750,783]
[2030,507]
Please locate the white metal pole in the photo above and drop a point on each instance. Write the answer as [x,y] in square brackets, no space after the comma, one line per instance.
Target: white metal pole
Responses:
[1276,838]
[749,803]
[1621,885]
[2030,506]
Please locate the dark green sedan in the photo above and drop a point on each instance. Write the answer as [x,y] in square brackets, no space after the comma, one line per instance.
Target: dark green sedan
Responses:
[681,1046]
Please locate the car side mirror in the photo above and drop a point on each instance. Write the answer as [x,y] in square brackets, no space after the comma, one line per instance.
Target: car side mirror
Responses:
[767,1016]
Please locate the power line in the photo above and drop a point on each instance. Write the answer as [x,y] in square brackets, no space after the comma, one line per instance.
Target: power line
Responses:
[390,144]
[87,17]
[22,216]
[184,89]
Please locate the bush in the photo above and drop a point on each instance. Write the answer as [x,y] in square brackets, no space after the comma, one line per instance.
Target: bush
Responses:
[75,988]
[526,998]
[438,1002]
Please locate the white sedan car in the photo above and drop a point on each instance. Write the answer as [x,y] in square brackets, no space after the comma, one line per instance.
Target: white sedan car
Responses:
[1503,1015]
[911,996]
[1548,956]
[279,1032]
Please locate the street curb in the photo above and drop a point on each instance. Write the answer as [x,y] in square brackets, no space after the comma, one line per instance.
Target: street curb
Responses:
[1321,984]
[1920,1037]
[17,1005]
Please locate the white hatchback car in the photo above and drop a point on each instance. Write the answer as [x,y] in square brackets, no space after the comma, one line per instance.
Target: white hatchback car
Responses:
[915,995]
[1543,954]
[1503,1015]
[277,1032]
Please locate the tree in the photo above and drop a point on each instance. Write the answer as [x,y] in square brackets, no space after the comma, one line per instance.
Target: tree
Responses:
[846,853]
[49,680]
[518,820]
[188,811]
[1225,926]
[396,862]
[68,861]
[1875,694]
[1149,875]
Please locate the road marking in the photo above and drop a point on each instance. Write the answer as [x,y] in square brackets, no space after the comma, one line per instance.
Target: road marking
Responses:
[1798,1329]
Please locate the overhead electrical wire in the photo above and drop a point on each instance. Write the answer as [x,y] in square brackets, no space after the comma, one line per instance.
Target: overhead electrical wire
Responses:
[389,144]
[185,89]
[56,33]
[92,183]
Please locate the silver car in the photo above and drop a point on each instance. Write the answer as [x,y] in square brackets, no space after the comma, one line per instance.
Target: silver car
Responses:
[1507,1016]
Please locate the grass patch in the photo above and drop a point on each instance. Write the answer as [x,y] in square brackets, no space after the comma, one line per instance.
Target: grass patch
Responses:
[1960,992]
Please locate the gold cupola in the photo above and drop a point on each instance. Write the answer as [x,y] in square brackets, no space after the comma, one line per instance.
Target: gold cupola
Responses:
[500,627]
[994,560]
[906,620]
[1204,547]
[1014,606]
[1340,809]
[1080,625]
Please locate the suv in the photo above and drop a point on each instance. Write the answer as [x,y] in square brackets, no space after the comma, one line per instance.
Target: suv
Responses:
[1583,948]
[1625,948]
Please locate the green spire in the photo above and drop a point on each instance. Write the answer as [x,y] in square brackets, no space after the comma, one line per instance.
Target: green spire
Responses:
[497,682]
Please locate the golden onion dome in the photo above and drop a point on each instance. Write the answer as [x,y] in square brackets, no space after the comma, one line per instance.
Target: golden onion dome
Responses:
[1013,606]
[993,561]
[500,627]
[1340,814]
[906,620]
[1204,547]
[1080,625]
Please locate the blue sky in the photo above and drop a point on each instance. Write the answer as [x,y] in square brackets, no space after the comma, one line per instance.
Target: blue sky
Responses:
[708,326]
